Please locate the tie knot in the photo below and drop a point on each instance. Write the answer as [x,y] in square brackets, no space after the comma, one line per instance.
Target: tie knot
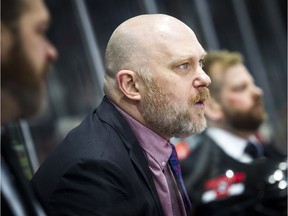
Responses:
[252,150]
[173,160]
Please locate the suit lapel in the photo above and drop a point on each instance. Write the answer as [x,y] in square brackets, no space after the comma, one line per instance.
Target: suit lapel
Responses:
[138,158]
[108,113]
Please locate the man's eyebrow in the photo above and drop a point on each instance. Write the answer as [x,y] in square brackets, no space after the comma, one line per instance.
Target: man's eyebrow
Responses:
[177,59]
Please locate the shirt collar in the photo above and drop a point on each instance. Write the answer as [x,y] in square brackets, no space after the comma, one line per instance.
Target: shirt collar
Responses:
[228,142]
[153,144]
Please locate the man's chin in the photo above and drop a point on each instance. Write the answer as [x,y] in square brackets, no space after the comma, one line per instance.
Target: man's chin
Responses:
[32,110]
[32,104]
[195,128]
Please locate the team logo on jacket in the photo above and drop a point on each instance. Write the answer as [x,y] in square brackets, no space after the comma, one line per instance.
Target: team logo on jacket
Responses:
[183,149]
[221,187]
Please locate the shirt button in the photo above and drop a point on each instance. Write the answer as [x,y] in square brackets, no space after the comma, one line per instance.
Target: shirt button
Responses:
[163,163]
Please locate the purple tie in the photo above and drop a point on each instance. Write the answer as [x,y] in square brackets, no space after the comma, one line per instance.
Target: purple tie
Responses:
[174,163]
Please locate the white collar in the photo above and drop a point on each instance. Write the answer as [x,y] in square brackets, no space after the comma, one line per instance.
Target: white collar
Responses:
[231,144]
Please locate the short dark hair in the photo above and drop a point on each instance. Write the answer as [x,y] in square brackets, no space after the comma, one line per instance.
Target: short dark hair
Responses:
[11,11]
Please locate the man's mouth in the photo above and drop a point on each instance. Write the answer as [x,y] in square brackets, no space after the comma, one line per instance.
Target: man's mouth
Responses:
[200,104]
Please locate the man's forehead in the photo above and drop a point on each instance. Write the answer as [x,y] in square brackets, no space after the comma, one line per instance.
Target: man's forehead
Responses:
[237,75]
[37,8]
[182,51]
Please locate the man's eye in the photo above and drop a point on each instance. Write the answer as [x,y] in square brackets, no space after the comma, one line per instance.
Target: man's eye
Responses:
[239,88]
[41,29]
[201,63]
[183,66]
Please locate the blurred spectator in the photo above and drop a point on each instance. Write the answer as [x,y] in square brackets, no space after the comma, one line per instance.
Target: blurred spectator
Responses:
[227,169]
[25,59]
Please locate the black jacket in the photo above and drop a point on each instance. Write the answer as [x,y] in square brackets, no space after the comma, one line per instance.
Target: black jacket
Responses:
[99,169]
[248,192]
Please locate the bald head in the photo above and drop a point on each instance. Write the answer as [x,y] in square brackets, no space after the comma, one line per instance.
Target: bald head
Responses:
[138,40]
[154,73]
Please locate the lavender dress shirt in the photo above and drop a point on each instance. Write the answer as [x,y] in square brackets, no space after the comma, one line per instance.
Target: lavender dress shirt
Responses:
[158,151]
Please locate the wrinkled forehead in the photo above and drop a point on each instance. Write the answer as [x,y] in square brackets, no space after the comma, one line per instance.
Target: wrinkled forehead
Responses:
[173,41]
[159,37]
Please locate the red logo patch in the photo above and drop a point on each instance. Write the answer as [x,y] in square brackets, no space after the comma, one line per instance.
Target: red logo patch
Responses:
[226,185]
[183,149]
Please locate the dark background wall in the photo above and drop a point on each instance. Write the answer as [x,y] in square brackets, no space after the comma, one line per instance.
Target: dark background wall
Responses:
[81,28]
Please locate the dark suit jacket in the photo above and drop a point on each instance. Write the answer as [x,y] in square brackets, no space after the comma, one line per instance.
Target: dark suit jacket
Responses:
[20,184]
[99,169]
[207,162]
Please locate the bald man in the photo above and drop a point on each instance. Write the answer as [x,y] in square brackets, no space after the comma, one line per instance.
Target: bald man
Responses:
[116,161]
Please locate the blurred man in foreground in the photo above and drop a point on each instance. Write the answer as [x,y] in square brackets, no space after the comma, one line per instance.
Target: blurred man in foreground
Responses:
[228,171]
[119,160]
[26,56]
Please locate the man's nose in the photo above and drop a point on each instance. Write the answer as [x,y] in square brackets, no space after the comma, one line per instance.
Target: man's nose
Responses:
[202,79]
[52,53]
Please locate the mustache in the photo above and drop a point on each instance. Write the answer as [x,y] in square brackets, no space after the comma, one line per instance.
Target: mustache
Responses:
[202,95]
[258,100]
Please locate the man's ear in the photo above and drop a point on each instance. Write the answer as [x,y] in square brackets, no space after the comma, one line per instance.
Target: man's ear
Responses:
[213,110]
[128,84]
